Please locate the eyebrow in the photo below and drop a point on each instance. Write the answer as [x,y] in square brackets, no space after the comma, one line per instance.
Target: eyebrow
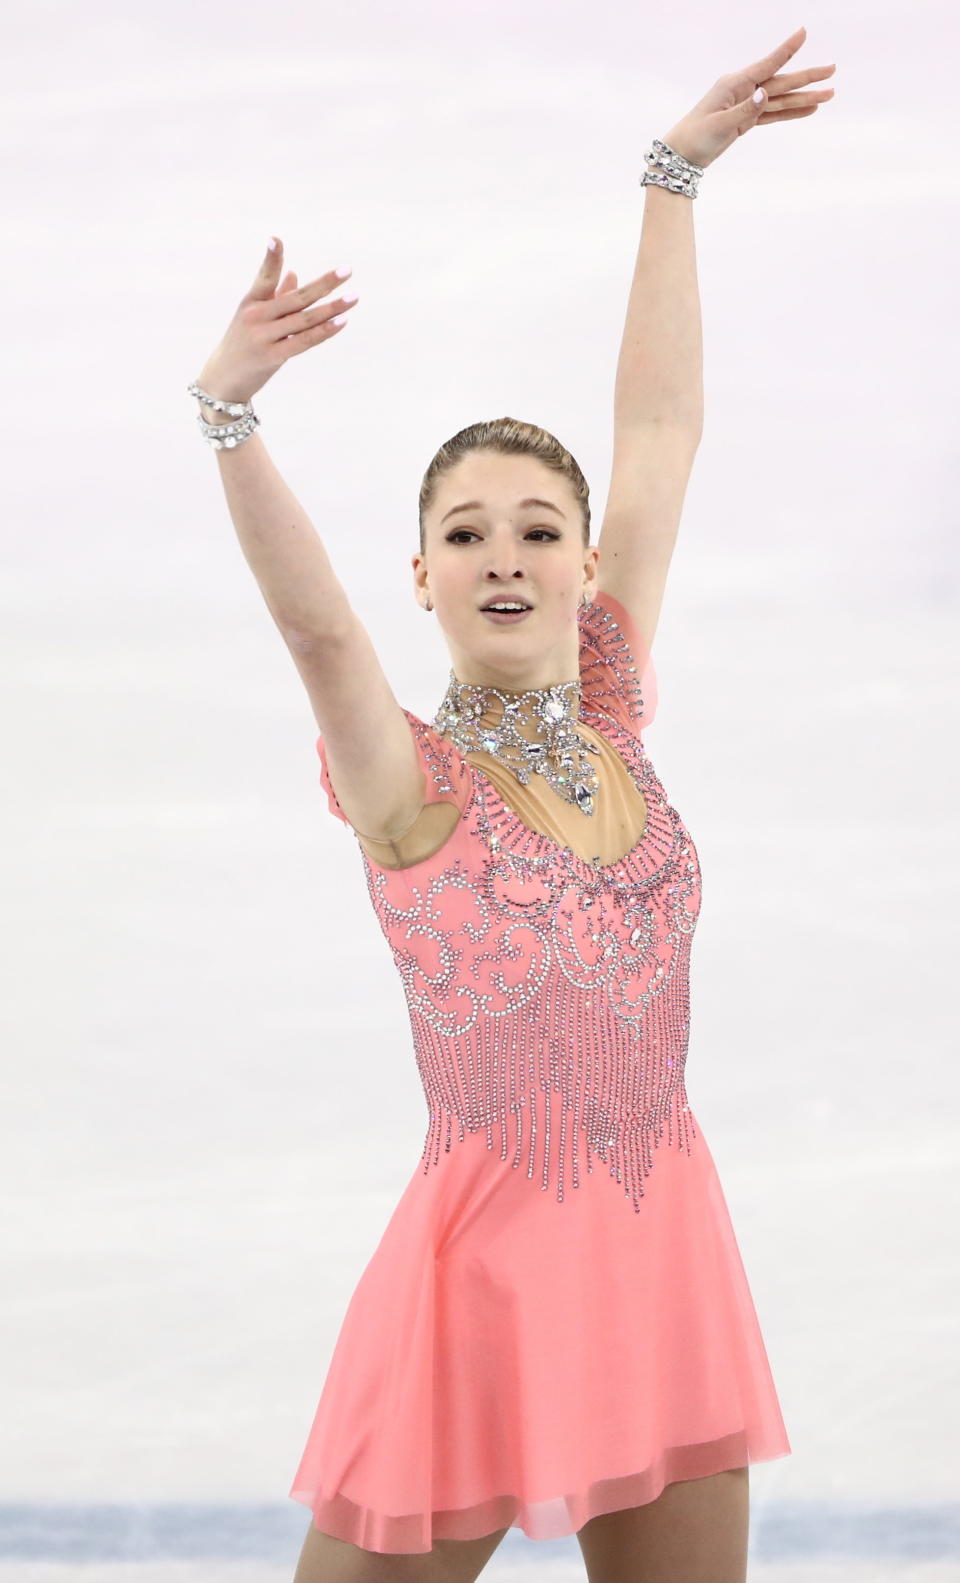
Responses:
[477,505]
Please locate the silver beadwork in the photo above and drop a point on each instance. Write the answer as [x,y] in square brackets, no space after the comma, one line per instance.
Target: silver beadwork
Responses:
[548,996]
[540,986]
[465,717]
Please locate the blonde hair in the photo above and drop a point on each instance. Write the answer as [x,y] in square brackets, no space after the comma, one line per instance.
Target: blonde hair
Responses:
[508,437]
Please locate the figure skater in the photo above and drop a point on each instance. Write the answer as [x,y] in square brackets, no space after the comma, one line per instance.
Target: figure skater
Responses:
[555,1331]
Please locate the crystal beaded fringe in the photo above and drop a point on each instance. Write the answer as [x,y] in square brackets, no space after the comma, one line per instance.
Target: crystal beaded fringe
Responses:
[616,1106]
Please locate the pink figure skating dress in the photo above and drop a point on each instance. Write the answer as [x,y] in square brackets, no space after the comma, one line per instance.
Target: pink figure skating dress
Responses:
[556,1322]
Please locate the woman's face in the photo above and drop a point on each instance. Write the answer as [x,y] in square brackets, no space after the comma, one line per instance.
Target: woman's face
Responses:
[501,548]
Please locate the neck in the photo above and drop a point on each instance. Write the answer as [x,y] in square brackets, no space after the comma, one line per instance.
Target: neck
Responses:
[529,731]
[533,713]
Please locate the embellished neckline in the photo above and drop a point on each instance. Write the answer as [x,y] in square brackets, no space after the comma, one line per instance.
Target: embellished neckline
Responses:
[532,848]
[531,732]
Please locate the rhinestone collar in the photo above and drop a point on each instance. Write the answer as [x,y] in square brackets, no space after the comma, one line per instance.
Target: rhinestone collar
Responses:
[487,720]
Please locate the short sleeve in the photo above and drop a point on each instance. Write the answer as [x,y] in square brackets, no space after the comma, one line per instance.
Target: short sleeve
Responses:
[333,801]
[446,773]
[617,677]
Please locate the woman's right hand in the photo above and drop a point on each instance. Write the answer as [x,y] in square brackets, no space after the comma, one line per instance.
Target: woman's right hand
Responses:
[272,324]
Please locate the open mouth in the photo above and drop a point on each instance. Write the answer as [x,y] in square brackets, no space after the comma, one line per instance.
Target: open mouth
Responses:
[504,611]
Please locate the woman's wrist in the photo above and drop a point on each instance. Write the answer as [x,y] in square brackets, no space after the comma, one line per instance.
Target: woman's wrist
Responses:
[218,386]
[211,415]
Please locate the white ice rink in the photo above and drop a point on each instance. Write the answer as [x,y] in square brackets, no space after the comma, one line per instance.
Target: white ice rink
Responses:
[209,1100]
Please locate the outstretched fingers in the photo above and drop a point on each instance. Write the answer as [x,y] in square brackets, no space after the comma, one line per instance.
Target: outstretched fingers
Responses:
[285,311]
[303,296]
[797,79]
[762,70]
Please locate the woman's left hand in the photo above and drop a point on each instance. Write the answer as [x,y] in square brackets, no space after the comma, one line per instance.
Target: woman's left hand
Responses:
[729,110]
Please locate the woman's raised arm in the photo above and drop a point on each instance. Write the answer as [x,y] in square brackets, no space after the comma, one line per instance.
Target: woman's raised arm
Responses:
[373,761]
[283,550]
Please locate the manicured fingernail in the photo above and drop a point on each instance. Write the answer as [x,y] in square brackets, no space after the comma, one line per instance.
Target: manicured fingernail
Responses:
[351,296]
[343,272]
[272,245]
[340,319]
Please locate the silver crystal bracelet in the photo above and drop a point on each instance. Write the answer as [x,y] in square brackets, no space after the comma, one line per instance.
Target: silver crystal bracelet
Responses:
[225,436]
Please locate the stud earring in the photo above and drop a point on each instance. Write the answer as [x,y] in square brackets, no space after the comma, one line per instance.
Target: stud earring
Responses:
[428,605]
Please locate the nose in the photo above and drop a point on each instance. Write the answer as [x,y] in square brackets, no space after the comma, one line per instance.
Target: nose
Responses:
[504,564]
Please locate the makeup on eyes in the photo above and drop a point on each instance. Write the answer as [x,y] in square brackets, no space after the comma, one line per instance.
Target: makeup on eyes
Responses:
[550,532]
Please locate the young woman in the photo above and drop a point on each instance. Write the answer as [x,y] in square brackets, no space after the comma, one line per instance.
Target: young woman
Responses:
[555,1331]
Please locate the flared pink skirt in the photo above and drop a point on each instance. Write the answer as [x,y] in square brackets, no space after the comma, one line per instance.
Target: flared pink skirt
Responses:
[508,1360]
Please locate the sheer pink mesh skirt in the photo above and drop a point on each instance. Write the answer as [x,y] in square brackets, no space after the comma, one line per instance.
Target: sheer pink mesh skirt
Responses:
[507,1360]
